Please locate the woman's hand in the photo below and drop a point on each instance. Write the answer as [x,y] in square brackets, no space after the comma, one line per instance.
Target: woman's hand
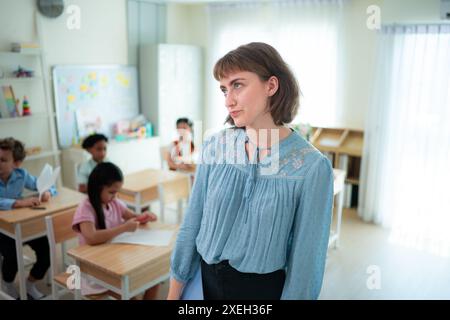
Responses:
[46,196]
[175,289]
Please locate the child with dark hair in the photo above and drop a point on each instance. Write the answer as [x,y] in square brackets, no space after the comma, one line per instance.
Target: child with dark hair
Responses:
[13,180]
[102,216]
[182,152]
[96,145]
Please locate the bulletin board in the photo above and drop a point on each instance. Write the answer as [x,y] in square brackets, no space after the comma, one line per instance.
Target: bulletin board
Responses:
[92,98]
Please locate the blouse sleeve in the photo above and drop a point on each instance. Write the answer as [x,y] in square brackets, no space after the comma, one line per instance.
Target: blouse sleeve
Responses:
[185,258]
[311,230]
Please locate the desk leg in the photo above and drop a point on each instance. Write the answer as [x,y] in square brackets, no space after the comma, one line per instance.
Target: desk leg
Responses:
[137,203]
[340,202]
[20,263]
[125,288]
[179,211]
[77,290]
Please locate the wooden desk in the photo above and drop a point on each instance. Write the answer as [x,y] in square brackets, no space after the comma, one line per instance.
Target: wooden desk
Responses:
[339,182]
[140,188]
[26,224]
[126,269]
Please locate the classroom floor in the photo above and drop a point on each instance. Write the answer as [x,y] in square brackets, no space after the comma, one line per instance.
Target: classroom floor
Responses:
[405,273]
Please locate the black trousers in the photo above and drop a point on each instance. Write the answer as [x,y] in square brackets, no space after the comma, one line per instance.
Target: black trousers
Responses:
[8,251]
[223,282]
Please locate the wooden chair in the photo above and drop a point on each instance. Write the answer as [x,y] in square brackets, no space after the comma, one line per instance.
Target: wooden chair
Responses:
[174,191]
[164,153]
[59,230]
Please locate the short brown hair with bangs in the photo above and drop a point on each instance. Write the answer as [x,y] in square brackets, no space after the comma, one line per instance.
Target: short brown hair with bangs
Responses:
[265,61]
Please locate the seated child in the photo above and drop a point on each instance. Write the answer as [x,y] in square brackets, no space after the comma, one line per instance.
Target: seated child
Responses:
[182,152]
[96,145]
[101,217]
[13,180]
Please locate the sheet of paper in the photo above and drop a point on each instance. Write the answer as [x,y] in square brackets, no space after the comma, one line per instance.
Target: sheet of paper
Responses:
[327,142]
[47,178]
[145,237]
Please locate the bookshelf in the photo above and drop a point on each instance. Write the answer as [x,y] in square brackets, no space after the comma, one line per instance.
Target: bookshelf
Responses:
[37,130]
[344,148]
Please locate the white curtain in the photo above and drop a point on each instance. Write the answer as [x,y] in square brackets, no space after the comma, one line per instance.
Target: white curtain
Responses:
[406,166]
[305,32]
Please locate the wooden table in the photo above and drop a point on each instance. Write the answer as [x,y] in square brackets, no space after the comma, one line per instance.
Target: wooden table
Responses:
[140,188]
[338,188]
[26,224]
[127,269]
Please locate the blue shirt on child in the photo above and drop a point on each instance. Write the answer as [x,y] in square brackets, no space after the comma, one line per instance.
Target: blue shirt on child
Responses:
[19,180]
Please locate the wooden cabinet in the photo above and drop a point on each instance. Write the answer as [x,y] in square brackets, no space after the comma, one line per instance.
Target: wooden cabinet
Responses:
[344,149]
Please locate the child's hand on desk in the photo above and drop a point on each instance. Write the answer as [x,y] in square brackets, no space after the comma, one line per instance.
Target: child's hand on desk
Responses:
[131,225]
[28,202]
[146,217]
[46,196]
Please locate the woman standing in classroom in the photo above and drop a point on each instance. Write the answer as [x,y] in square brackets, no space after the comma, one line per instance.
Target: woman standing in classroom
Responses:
[259,216]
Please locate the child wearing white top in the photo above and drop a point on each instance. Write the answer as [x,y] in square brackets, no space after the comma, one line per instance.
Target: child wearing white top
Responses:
[96,144]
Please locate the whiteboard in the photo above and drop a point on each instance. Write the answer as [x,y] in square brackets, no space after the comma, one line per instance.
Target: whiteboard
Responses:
[93,98]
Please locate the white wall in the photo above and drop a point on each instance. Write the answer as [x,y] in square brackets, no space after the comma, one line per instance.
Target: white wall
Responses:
[361,49]
[188,24]
[358,64]
[410,11]
[102,38]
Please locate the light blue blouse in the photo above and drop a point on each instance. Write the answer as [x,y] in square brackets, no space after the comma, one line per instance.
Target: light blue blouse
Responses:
[260,222]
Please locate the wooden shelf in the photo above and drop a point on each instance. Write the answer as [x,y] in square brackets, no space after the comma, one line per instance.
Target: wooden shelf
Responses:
[343,147]
[18,54]
[342,141]
[36,131]
[26,118]
[40,155]
[353,143]
[326,139]
[20,80]
[354,181]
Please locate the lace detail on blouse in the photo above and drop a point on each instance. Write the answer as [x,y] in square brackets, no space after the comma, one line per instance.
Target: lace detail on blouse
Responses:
[228,147]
